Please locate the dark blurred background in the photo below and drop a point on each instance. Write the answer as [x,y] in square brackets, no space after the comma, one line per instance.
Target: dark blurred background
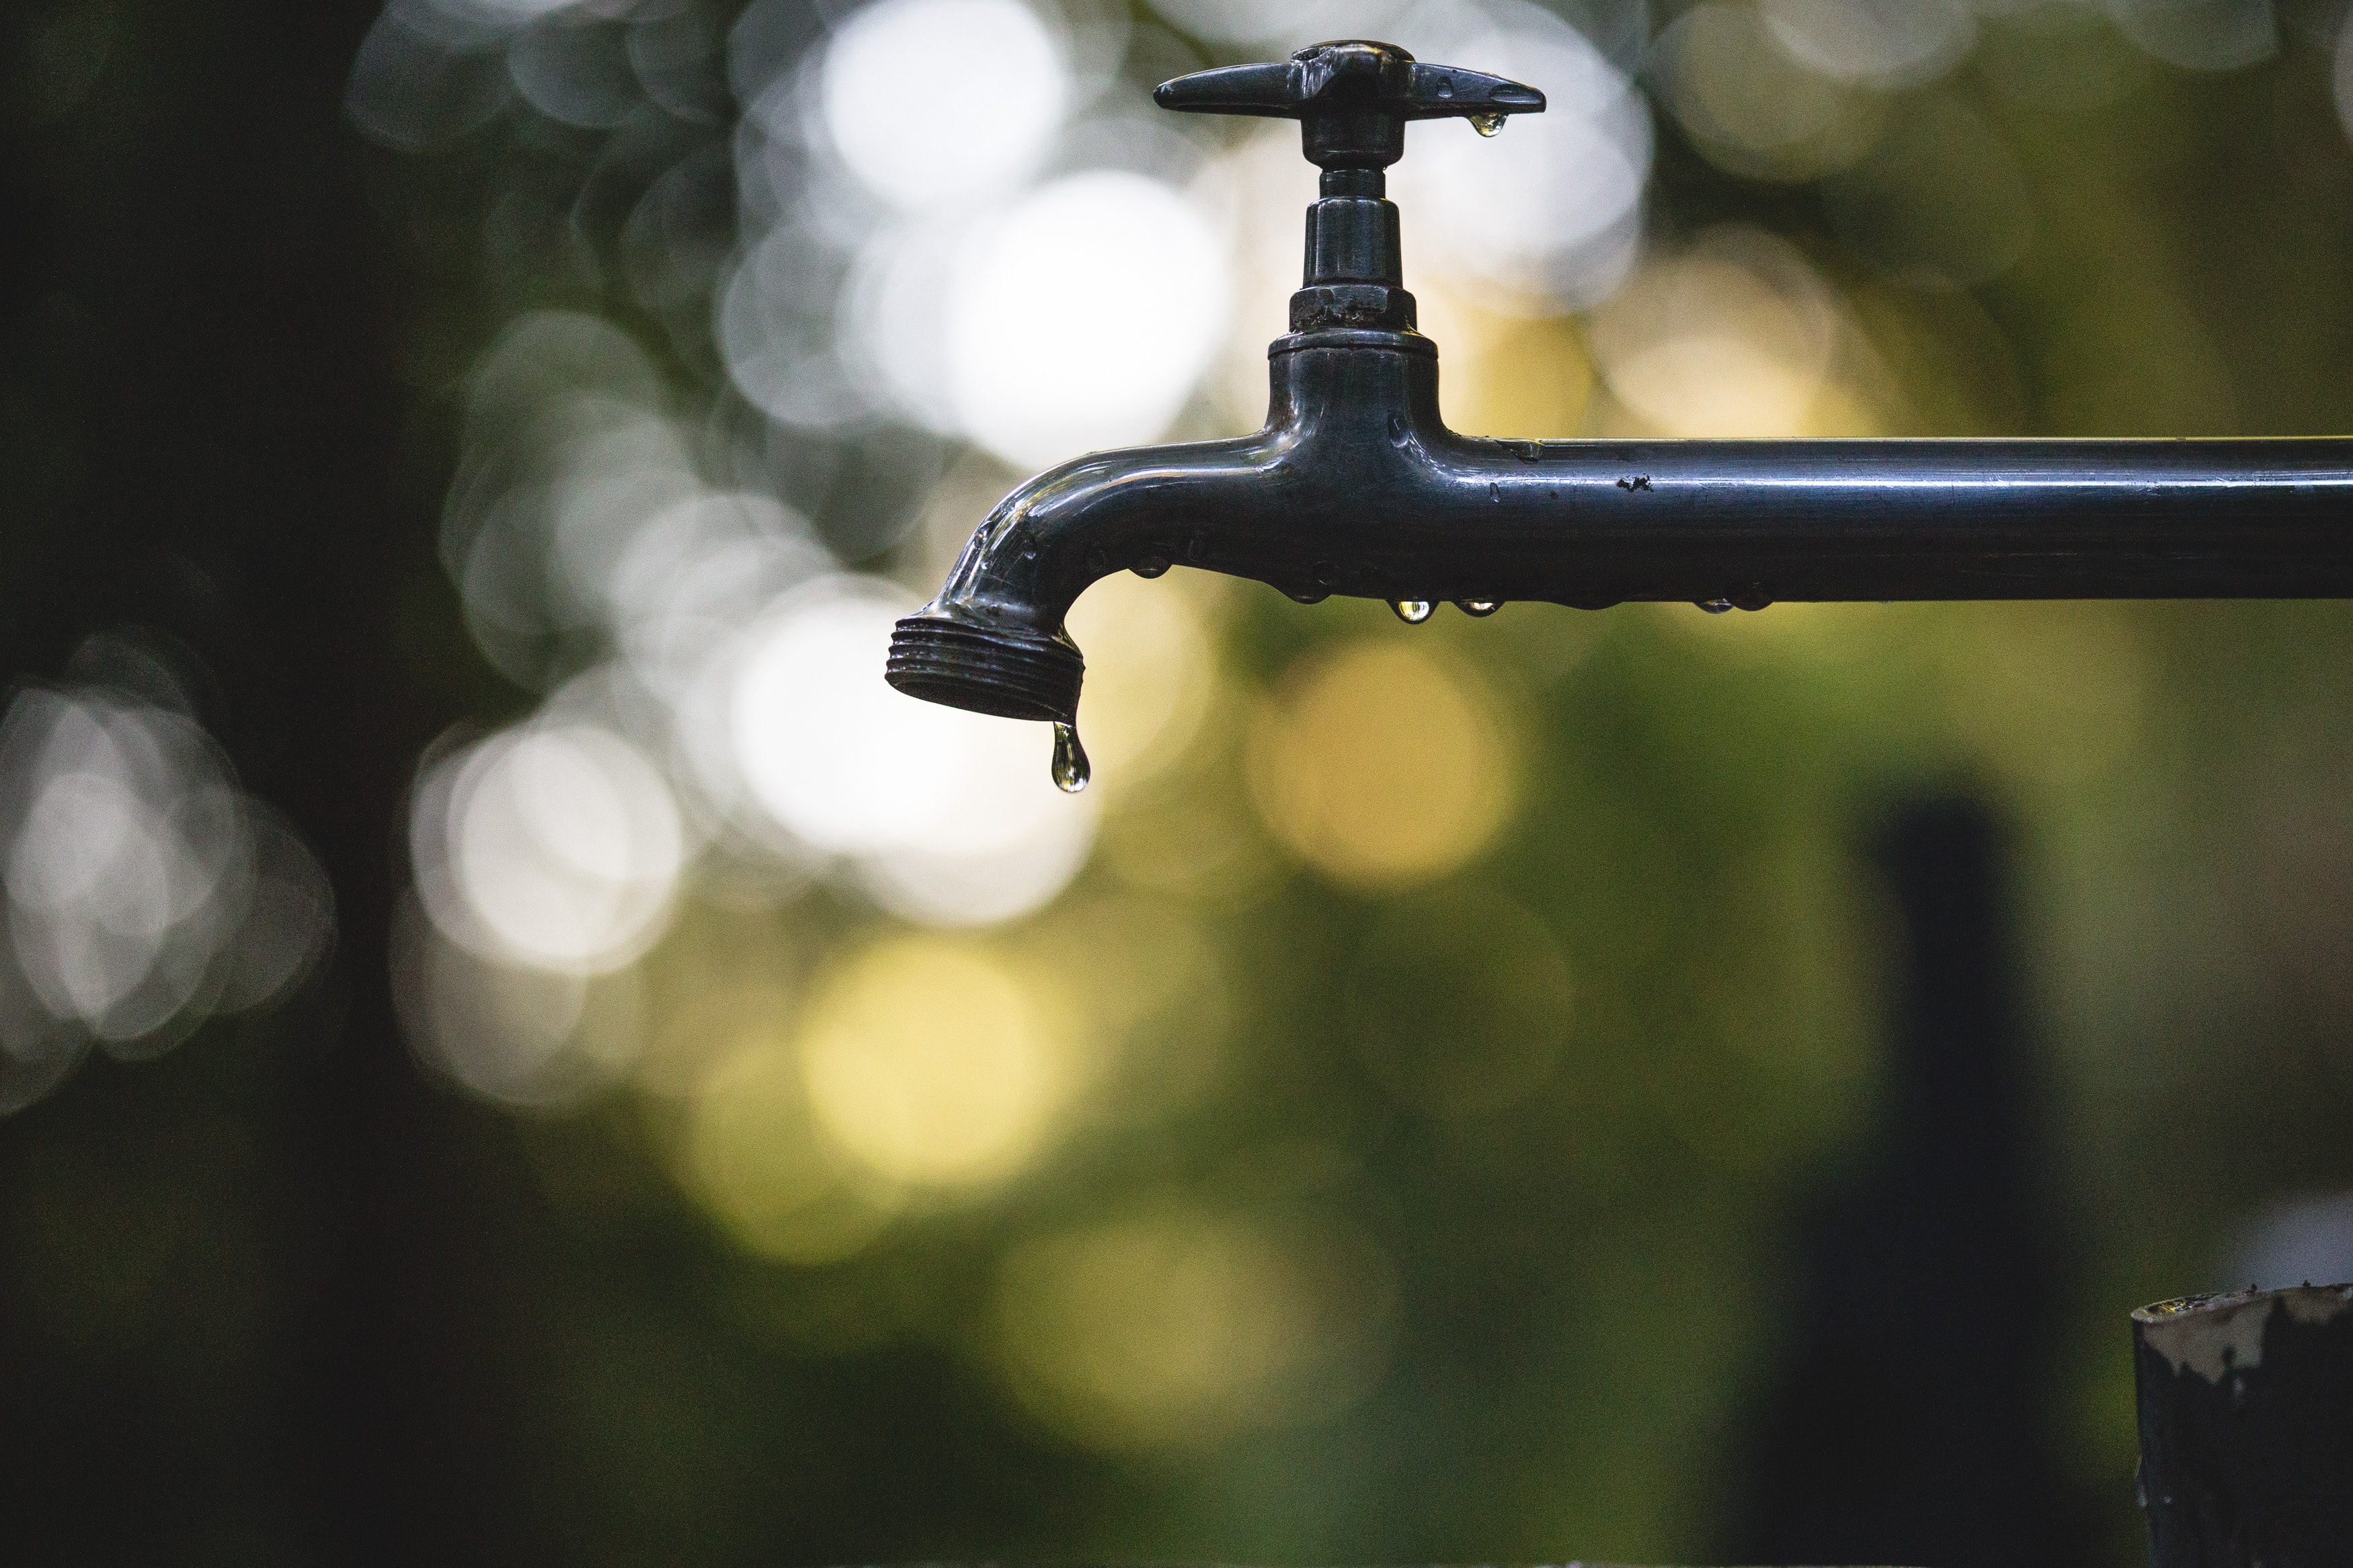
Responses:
[518,1048]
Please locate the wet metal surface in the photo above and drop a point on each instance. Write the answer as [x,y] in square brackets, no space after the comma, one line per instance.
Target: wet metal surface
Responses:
[1356,486]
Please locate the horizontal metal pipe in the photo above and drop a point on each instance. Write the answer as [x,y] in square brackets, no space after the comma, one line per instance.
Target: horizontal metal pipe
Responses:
[1356,486]
[1764,520]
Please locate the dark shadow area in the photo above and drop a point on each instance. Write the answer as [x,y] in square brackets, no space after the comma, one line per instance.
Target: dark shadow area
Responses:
[236,1292]
[1913,1422]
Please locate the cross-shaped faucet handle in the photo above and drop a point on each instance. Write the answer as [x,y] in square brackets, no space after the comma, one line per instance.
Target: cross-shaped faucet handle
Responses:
[1352,98]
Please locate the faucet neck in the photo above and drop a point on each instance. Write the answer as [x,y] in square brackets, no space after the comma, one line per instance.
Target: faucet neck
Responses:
[1372,394]
[1355,271]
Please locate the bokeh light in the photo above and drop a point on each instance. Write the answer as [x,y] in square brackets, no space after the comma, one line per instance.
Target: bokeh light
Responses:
[556,847]
[1733,338]
[784,1190]
[574,66]
[145,891]
[1381,765]
[690,576]
[1751,107]
[1151,989]
[1276,24]
[1885,43]
[1034,292]
[113,858]
[935,1063]
[899,97]
[424,77]
[2341,77]
[1184,1327]
[844,762]
[518,1034]
[2201,35]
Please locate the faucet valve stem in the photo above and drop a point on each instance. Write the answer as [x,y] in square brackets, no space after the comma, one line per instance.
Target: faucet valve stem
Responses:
[1352,99]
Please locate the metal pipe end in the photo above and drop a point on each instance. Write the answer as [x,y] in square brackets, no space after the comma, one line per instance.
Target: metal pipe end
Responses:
[1010,672]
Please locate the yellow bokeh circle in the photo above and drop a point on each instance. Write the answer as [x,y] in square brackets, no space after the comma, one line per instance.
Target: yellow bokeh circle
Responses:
[761,1169]
[1186,1327]
[933,1063]
[1382,765]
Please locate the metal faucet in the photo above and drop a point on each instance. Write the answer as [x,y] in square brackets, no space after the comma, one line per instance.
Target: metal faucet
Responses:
[1356,486]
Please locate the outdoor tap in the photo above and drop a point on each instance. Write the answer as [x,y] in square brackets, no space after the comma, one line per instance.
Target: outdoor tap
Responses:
[1356,485]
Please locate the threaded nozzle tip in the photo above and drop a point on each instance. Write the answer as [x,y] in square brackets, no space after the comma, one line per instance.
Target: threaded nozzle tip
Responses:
[1009,672]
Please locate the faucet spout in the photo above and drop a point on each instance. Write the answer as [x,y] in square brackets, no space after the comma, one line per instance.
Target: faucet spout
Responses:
[1325,499]
[994,642]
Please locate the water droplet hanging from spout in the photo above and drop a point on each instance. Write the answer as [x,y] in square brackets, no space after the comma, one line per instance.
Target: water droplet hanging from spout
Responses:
[1487,124]
[1479,606]
[1071,770]
[1412,612]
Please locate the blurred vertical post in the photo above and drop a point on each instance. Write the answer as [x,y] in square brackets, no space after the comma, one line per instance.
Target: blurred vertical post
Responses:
[1909,1426]
[2246,1451]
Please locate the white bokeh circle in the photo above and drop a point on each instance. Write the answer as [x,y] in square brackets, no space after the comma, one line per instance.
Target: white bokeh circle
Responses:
[559,847]
[933,102]
[1082,317]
